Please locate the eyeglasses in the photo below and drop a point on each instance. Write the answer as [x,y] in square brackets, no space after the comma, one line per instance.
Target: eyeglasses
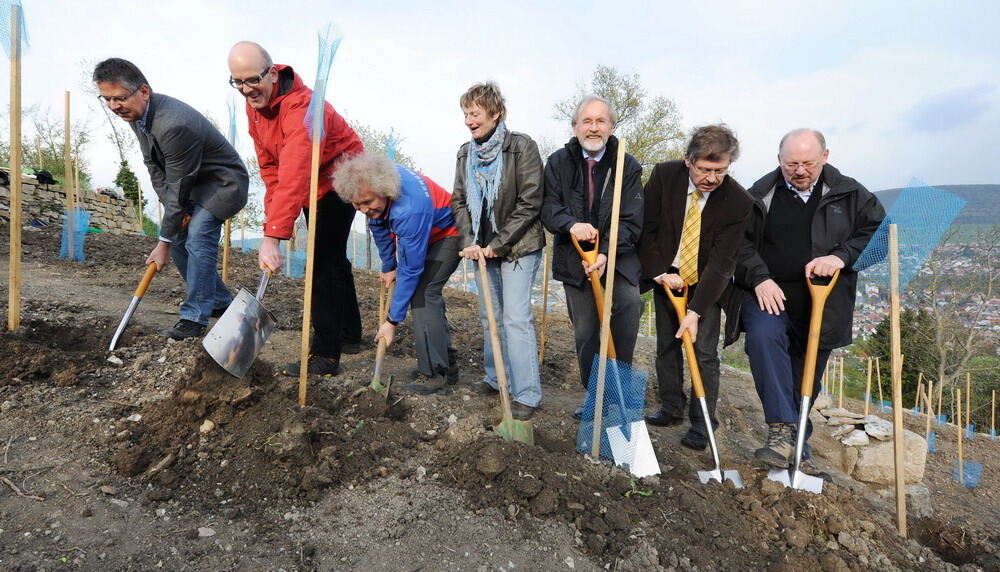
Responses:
[251,81]
[705,172]
[792,167]
[109,99]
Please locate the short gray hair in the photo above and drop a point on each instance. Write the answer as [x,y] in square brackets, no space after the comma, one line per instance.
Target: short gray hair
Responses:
[713,143]
[366,171]
[802,131]
[590,98]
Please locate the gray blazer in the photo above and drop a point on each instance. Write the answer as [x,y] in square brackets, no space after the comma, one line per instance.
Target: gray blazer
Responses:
[190,163]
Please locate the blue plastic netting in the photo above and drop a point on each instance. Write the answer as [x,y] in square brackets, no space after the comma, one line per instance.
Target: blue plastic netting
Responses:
[970,432]
[941,420]
[80,221]
[624,403]
[232,135]
[932,442]
[329,41]
[922,214]
[6,31]
[970,473]
[391,145]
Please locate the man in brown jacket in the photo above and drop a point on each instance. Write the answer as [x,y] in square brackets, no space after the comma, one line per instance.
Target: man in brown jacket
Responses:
[695,215]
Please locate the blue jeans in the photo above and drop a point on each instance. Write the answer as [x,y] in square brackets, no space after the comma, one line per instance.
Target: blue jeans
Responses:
[195,251]
[510,288]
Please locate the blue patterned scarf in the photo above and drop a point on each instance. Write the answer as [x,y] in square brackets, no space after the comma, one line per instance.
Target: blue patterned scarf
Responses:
[483,171]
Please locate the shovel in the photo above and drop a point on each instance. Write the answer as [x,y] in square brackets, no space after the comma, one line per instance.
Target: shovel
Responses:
[140,291]
[239,335]
[792,476]
[384,299]
[590,257]
[698,388]
[509,428]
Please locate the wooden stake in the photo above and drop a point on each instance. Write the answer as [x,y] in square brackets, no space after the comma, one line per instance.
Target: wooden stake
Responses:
[968,400]
[243,225]
[226,229]
[940,400]
[920,385]
[546,253]
[14,254]
[68,180]
[993,414]
[928,395]
[896,375]
[138,206]
[868,386]
[878,380]
[602,366]
[310,249]
[961,468]
[840,402]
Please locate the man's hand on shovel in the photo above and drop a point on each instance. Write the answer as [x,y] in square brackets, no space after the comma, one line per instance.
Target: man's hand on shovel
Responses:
[388,331]
[598,266]
[269,256]
[160,255]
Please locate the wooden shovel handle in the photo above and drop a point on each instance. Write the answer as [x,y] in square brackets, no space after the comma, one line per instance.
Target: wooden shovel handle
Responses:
[590,257]
[819,294]
[146,279]
[484,279]
[680,306]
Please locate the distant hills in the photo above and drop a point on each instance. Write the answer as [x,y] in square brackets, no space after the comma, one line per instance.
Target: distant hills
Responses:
[983,207]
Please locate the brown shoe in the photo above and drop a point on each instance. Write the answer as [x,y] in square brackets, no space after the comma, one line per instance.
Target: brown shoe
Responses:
[521,412]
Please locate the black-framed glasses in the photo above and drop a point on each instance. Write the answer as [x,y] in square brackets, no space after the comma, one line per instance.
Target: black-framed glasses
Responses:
[109,99]
[250,81]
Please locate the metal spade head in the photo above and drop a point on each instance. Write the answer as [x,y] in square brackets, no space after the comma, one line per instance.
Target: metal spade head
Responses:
[239,335]
[721,476]
[796,480]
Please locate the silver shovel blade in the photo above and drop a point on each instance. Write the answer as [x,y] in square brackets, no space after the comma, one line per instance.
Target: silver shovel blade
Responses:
[239,335]
[721,476]
[796,480]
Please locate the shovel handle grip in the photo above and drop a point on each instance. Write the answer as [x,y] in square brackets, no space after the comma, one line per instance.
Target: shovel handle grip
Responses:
[265,276]
[588,256]
[140,290]
[679,302]
[819,294]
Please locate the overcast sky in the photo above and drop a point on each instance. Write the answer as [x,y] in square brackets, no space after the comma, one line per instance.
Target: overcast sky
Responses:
[900,88]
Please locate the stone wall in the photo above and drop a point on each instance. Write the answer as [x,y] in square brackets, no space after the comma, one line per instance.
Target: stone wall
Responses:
[46,203]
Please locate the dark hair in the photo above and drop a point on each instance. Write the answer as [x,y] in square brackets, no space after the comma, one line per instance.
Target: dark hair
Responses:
[713,143]
[122,72]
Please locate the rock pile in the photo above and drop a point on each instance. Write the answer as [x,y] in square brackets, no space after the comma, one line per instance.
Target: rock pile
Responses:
[47,203]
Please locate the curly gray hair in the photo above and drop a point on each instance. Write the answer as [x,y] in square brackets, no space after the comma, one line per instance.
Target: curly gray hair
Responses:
[366,171]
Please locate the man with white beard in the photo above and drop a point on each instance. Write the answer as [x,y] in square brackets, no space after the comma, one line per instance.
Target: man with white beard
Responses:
[579,183]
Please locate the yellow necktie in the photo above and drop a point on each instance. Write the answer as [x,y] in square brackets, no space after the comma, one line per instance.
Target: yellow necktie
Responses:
[690,237]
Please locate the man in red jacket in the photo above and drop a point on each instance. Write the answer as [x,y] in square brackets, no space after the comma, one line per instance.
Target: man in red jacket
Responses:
[277,101]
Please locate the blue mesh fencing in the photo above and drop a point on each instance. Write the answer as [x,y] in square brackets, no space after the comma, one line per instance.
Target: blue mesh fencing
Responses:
[941,420]
[6,7]
[970,432]
[884,406]
[392,142]
[80,221]
[329,41]
[970,473]
[232,135]
[922,214]
[624,403]
[993,434]
[932,442]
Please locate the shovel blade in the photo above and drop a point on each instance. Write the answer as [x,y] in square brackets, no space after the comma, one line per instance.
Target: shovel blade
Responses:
[721,477]
[796,480]
[633,452]
[513,430]
[239,335]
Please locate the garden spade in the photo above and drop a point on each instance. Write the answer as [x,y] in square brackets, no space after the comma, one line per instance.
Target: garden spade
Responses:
[590,257]
[698,388]
[239,335]
[509,428]
[140,291]
[792,476]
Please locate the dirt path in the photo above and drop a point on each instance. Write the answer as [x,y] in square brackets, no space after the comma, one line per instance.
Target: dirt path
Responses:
[132,477]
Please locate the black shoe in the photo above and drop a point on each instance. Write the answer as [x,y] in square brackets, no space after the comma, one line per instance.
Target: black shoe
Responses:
[318,365]
[578,414]
[218,312]
[483,388]
[354,348]
[436,384]
[694,441]
[521,412]
[184,329]
[663,419]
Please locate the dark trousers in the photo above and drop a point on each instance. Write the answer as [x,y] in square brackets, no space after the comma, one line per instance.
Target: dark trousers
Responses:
[670,364]
[430,324]
[776,346]
[336,317]
[626,309]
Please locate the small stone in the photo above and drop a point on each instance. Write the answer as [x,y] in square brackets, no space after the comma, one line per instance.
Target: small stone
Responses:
[840,412]
[119,503]
[134,418]
[569,562]
[877,427]
[841,430]
[7,406]
[797,536]
[867,526]
[207,426]
[162,359]
[115,360]
[87,512]
[857,438]
[204,531]
[575,506]
[108,490]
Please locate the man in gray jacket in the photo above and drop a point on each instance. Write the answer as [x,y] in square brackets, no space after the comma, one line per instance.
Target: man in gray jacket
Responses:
[198,177]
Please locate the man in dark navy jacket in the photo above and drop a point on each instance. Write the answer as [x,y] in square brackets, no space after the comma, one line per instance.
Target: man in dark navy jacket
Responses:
[695,215]
[808,221]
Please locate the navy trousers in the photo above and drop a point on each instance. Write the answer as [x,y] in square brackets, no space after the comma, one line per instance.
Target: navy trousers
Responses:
[776,346]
